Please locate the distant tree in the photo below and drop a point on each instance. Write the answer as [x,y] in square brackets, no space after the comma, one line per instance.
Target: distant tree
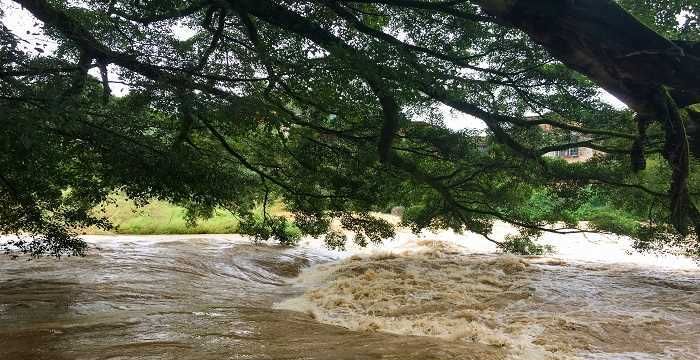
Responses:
[311,102]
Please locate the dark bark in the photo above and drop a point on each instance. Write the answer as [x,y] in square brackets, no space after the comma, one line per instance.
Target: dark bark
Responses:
[601,40]
[654,76]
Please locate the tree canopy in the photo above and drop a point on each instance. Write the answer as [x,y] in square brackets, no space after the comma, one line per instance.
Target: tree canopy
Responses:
[315,102]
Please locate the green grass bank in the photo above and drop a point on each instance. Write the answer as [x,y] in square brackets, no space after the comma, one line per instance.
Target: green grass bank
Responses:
[157,218]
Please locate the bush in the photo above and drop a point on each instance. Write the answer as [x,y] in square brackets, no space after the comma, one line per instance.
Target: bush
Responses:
[524,245]
[615,221]
[263,228]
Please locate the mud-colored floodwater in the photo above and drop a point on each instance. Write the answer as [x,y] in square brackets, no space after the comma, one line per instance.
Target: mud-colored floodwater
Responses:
[220,297]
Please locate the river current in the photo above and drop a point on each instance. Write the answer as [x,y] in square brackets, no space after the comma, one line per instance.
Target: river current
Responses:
[433,296]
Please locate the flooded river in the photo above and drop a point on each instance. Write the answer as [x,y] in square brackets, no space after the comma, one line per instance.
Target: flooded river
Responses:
[221,297]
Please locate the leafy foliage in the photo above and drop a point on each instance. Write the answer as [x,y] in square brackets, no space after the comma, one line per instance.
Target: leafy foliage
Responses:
[314,103]
[264,228]
[524,245]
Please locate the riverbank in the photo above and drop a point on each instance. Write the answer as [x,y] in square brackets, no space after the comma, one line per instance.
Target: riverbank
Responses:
[157,218]
[161,218]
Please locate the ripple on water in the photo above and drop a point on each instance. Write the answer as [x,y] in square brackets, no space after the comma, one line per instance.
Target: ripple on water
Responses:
[211,297]
[533,308]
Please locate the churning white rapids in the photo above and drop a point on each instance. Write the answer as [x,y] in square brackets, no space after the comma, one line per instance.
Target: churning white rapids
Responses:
[593,299]
[415,297]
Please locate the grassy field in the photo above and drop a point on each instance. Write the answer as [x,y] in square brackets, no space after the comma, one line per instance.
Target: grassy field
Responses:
[159,217]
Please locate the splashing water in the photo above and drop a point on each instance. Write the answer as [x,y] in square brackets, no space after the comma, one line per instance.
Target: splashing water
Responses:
[222,297]
[597,300]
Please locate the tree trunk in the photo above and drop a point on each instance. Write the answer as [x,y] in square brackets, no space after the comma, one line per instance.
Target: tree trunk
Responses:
[604,42]
[601,40]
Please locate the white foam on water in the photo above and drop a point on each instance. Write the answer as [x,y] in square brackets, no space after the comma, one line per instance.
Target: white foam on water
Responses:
[576,247]
[429,289]
[595,298]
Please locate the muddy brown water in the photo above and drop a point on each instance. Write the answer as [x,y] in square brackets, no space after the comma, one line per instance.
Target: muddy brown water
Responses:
[212,298]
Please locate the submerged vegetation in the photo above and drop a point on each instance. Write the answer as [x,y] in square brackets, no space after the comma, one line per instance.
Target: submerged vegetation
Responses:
[231,106]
